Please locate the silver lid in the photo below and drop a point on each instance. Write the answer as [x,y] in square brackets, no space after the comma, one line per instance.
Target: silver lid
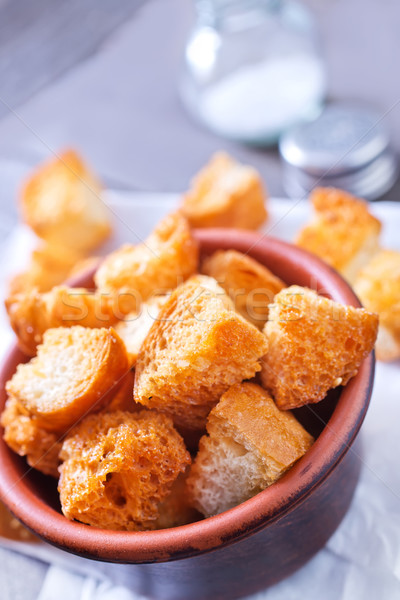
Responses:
[346,147]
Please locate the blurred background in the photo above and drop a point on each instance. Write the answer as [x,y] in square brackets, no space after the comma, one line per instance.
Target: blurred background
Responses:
[102,76]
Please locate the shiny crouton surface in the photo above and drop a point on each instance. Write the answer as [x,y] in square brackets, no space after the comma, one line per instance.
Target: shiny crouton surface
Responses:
[251,286]
[343,232]
[315,344]
[76,370]
[226,194]
[61,202]
[31,313]
[250,444]
[194,352]
[166,258]
[118,467]
[378,287]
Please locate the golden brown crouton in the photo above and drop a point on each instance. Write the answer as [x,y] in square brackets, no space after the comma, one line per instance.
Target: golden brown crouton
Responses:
[32,313]
[62,203]
[225,193]
[166,258]
[118,467]
[250,444]
[251,286]
[315,344]
[77,370]
[378,287]
[198,347]
[123,398]
[176,509]
[343,232]
[23,434]
[136,325]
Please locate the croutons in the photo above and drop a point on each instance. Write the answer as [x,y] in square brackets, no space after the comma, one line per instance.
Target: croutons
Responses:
[77,370]
[343,232]
[251,286]
[378,287]
[198,347]
[32,313]
[225,194]
[136,325]
[23,434]
[315,344]
[250,444]
[62,203]
[166,258]
[118,468]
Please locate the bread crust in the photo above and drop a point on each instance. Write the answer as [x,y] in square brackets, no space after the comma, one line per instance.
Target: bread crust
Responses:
[249,284]
[378,287]
[195,351]
[118,468]
[315,344]
[166,258]
[76,371]
[343,233]
[250,444]
[226,193]
[62,203]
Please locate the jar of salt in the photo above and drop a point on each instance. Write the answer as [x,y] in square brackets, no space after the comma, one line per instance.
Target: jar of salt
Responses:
[253,68]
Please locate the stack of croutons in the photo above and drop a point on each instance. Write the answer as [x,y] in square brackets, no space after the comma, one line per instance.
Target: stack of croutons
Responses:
[167,347]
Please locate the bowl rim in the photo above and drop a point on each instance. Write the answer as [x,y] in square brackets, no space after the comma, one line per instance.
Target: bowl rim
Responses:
[248,517]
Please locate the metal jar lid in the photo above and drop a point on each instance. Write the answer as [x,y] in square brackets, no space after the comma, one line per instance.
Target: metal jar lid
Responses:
[346,147]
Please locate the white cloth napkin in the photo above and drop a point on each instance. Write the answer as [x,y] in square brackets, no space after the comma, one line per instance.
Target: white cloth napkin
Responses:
[361,561]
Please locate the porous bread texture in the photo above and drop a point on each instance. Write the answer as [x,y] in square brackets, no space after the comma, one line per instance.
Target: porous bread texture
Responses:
[315,344]
[49,265]
[225,193]
[378,287]
[166,258]
[136,325]
[176,509]
[118,468]
[62,203]
[77,370]
[250,444]
[32,313]
[23,435]
[198,347]
[249,284]
[343,233]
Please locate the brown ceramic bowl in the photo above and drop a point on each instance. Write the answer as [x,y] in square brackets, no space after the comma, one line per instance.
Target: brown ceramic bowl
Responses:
[256,543]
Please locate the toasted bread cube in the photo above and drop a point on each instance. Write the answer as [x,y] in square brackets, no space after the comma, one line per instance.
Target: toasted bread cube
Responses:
[198,347]
[225,193]
[251,286]
[250,444]
[50,265]
[136,325]
[62,203]
[166,258]
[77,370]
[343,233]
[378,287]
[32,313]
[315,345]
[176,509]
[23,434]
[118,468]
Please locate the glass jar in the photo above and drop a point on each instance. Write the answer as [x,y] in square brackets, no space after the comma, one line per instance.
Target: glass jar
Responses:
[253,68]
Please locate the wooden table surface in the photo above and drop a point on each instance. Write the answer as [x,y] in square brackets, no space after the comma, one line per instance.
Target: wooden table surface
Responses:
[102,76]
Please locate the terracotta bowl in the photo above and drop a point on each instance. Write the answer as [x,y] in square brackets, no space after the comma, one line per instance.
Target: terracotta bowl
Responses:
[256,543]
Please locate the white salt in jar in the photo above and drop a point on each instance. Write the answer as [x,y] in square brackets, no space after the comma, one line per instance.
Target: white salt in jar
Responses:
[253,68]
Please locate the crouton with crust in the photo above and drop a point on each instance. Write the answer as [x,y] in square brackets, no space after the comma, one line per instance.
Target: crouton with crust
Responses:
[198,347]
[250,444]
[315,345]
[251,286]
[117,468]
[226,193]
[343,233]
